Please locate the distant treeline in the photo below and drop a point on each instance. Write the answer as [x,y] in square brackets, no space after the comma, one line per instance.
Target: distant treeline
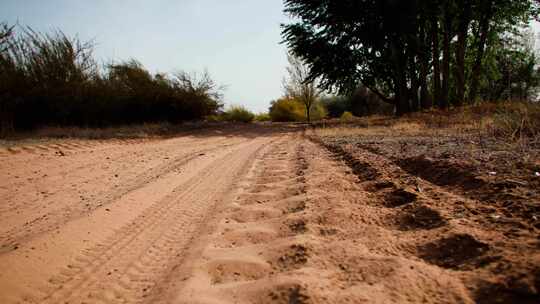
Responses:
[417,54]
[53,79]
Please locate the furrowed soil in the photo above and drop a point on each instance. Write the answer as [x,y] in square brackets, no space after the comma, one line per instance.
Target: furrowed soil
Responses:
[258,214]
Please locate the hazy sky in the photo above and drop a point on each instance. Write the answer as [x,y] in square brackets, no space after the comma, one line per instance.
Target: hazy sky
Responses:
[236,40]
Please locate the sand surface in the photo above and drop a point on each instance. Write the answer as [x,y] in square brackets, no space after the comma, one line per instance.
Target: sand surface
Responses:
[238,216]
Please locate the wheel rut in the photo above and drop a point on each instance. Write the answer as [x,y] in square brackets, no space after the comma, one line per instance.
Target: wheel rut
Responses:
[47,221]
[303,230]
[236,264]
[138,254]
[121,251]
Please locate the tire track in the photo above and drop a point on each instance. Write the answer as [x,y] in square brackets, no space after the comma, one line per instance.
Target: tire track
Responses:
[141,252]
[449,231]
[94,160]
[12,238]
[258,248]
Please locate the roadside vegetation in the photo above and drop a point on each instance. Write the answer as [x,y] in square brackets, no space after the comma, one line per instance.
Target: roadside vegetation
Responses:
[53,79]
[415,55]
[238,114]
[512,121]
[425,55]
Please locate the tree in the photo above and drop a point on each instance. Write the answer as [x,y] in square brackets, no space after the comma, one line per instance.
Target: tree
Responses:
[434,33]
[401,50]
[486,8]
[299,86]
[346,43]
[464,19]
[512,70]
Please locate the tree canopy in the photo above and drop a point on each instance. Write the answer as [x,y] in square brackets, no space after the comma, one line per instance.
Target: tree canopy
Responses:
[410,53]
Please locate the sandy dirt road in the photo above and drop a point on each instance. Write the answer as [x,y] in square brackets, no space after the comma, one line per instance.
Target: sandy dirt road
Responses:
[105,221]
[240,216]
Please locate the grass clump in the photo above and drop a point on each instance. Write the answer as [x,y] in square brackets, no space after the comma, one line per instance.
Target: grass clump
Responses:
[516,120]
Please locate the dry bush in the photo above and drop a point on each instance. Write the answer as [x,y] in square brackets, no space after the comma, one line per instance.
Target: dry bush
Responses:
[128,131]
[516,120]
[53,79]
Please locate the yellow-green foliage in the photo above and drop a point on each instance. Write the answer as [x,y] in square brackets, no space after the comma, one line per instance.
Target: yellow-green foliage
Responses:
[238,114]
[318,111]
[286,109]
[346,116]
[214,118]
[262,117]
[289,109]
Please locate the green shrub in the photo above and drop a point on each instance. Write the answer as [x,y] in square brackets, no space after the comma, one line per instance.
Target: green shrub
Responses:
[286,109]
[238,114]
[214,118]
[263,117]
[346,116]
[289,109]
[318,111]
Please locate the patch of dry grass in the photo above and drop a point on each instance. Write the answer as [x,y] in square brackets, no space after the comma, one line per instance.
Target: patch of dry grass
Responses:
[513,121]
[514,126]
[141,131]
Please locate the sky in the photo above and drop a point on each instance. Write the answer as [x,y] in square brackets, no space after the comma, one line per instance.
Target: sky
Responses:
[237,41]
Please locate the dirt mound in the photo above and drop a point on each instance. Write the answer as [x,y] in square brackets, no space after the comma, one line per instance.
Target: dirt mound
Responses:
[361,169]
[379,186]
[455,252]
[510,290]
[294,257]
[296,226]
[442,173]
[421,217]
[399,197]
[457,202]
[289,294]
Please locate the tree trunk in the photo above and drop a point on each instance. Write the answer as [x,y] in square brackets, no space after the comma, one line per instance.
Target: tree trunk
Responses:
[402,100]
[401,91]
[487,6]
[6,119]
[436,63]
[424,69]
[463,28]
[308,113]
[447,35]
[415,105]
